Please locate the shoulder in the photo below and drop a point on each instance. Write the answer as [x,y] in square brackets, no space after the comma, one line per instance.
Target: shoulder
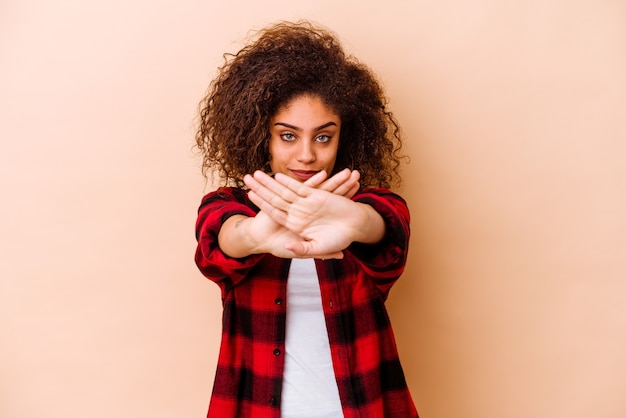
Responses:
[225,202]
[390,205]
[219,205]
[380,196]
[226,194]
[380,192]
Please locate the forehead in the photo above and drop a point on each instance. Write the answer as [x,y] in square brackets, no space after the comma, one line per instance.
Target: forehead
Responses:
[306,106]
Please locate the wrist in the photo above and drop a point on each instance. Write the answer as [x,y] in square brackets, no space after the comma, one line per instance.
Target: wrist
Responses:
[234,237]
[248,244]
[370,228]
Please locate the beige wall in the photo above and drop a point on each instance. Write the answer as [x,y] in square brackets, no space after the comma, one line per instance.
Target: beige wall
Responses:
[514,300]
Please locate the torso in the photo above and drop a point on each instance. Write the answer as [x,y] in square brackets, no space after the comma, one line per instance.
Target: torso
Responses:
[309,386]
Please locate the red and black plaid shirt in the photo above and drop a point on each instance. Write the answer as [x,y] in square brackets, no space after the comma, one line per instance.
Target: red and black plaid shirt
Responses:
[249,372]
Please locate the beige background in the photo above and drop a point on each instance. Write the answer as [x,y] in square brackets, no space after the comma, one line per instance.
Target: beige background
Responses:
[514,299]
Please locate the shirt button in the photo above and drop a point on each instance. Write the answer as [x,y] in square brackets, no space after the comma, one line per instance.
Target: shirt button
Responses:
[276,352]
[273,401]
[278,301]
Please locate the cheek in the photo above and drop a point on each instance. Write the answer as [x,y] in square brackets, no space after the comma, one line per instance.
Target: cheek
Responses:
[330,156]
[331,159]
[276,156]
[272,149]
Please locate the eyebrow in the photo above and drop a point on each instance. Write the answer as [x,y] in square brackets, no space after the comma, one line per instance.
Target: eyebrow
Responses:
[295,128]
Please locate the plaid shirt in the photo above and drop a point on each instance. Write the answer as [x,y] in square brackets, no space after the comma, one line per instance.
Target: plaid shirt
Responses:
[250,366]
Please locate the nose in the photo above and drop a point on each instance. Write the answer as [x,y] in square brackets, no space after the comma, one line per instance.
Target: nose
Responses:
[305,153]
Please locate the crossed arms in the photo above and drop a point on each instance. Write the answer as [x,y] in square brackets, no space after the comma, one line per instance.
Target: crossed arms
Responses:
[315,218]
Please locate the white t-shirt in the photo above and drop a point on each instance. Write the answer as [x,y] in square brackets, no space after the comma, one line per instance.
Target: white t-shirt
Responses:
[309,385]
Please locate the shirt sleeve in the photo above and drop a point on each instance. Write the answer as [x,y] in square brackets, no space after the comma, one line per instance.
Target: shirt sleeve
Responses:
[384,262]
[215,209]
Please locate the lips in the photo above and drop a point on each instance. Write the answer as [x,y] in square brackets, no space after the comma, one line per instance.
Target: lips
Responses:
[303,175]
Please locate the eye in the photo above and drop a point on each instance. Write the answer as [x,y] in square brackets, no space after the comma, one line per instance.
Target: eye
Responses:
[322,138]
[289,137]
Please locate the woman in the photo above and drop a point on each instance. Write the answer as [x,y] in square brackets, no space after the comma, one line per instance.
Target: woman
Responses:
[304,256]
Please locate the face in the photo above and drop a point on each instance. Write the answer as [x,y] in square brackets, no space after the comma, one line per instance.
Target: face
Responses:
[304,138]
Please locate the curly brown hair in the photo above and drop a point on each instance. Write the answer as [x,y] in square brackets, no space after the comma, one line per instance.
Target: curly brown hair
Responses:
[285,61]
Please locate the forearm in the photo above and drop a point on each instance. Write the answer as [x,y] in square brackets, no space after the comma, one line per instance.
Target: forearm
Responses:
[369,226]
[234,239]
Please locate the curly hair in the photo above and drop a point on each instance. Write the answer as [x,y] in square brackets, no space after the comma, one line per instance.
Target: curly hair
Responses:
[285,61]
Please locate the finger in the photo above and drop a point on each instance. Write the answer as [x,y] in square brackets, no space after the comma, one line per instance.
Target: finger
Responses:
[261,193]
[350,193]
[307,249]
[317,179]
[277,215]
[272,185]
[338,255]
[344,183]
[300,189]
[259,183]
[332,183]
[250,182]
[350,186]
